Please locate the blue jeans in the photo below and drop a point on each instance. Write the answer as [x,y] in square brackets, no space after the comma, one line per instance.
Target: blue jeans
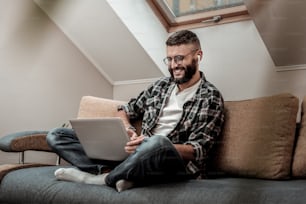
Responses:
[155,160]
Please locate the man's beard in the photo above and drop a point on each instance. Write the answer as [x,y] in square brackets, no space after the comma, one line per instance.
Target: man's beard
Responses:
[189,70]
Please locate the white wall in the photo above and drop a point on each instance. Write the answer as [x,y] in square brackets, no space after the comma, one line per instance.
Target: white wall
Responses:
[237,61]
[42,74]
[235,57]
[101,36]
[139,18]
[126,91]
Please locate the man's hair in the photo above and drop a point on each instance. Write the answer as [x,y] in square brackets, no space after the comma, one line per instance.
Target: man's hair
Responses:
[183,37]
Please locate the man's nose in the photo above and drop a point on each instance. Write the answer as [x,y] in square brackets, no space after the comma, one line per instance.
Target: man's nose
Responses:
[173,63]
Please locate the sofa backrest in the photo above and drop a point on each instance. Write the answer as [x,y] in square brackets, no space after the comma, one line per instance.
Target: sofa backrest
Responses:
[95,107]
[257,139]
[299,159]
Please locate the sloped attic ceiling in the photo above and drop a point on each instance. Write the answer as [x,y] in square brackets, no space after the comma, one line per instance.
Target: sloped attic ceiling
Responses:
[102,37]
[281,24]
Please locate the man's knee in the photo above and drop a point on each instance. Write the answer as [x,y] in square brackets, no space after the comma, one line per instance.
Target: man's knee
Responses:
[54,136]
[160,140]
[157,141]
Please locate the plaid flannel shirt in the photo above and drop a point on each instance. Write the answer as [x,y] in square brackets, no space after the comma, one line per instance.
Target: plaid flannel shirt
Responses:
[199,126]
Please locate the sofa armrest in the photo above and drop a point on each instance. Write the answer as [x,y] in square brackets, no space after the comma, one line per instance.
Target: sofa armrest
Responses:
[23,141]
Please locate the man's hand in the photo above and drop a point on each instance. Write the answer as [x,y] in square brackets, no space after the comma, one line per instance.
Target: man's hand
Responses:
[135,141]
[131,133]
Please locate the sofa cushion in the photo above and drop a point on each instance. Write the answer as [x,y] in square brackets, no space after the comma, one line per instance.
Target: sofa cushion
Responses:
[38,185]
[258,137]
[6,168]
[299,159]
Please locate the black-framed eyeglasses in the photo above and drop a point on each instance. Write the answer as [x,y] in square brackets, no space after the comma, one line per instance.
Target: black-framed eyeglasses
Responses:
[178,59]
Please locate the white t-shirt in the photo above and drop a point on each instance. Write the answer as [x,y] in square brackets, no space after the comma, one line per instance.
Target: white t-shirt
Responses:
[172,112]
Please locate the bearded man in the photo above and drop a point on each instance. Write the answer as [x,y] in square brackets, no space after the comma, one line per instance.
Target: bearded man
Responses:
[182,116]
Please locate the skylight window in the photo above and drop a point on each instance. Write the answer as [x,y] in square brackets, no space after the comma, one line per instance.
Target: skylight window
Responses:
[177,14]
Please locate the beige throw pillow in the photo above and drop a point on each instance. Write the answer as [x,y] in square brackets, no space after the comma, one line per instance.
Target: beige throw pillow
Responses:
[96,107]
[258,137]
[299,159]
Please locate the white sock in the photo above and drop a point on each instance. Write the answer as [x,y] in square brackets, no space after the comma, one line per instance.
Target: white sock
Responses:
[122,185]
[96,179]
[73,174]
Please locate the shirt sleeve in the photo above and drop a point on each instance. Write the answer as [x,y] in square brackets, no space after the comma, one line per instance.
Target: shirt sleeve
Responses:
[135,108]
[207,129]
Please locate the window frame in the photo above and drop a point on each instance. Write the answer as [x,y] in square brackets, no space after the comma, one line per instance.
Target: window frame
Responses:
[203,19]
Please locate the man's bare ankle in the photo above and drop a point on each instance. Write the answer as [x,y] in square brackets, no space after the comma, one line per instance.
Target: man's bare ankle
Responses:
[123,185]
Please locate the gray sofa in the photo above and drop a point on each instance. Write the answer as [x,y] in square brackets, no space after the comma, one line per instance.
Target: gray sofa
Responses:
[260,158]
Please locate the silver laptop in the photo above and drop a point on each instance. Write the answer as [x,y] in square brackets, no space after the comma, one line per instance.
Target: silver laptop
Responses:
[102,138]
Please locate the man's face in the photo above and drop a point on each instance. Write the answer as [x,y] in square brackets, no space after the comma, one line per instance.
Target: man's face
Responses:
[183,64]
[183,73]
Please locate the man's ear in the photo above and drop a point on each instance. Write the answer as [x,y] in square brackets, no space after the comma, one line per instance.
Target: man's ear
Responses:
[200,55]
